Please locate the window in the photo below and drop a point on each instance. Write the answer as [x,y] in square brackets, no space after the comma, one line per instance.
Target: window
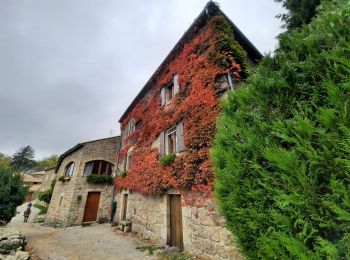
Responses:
[130,127]
[168,92]
[98,167]
[127,162]
[69,169]
[138,124]
[172,140]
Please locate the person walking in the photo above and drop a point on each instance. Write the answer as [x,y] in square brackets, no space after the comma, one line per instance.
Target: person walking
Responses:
[26,214]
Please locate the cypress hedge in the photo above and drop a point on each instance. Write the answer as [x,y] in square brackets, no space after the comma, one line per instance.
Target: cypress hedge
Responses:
[282,149]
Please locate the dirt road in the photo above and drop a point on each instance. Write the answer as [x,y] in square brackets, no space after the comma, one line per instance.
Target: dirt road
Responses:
[83,243]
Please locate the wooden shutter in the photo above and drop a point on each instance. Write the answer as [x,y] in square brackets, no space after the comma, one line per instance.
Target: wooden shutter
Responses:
[162,144]
[162,96]
[176,84]
[180,136]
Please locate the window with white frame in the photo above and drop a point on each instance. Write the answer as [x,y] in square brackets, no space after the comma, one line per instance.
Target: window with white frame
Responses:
[128,162]
[69,169]
[130,127]
[169,91]
[171,141]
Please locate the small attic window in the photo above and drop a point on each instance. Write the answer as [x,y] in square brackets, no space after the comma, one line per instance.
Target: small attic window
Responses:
[130,127]
[69,169]
[169,91]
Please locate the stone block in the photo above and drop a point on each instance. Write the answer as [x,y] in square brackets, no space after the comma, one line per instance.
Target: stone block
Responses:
[215,237]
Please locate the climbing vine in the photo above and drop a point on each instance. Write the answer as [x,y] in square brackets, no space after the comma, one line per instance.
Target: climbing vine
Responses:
[201,64]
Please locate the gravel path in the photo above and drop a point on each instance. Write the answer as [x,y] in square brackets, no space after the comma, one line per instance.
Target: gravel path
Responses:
[20,210]
[91,242]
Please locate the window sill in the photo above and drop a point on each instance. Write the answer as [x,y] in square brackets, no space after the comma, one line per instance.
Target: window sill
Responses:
[64,178]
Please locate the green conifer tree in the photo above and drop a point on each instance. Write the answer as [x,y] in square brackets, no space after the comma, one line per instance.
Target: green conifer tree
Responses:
[300,12]
[282,150]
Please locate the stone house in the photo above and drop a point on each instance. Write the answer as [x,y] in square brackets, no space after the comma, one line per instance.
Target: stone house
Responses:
[84,188]
[47,179]
[165,179]
[33,182]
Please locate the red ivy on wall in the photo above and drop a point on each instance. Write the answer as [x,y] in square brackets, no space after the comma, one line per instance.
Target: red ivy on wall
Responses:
[211,54]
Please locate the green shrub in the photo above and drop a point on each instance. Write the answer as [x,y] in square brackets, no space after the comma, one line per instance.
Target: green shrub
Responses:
[43,209]
[282,150]
[168,159]
[12,192]
[61,178]
[174,256]
[99,179]
[45,195]
[123,173]
[149,248]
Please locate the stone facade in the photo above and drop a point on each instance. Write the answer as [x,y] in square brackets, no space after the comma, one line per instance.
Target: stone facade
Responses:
[168,117]
[203,227]
[69,197]
[48,177]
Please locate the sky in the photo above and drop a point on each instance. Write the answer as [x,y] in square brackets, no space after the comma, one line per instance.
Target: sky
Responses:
[70,68]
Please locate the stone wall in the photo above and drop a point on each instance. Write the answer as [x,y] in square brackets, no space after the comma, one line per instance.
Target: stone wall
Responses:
[69,197]
[203,227]
[12,244]
[47,179]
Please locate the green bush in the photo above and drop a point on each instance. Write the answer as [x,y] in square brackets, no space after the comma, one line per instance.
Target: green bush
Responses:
[12,192]
[99,179]
[45,195]
[43,209]
[168,159]
[123,173]
[282,150]
[61,178]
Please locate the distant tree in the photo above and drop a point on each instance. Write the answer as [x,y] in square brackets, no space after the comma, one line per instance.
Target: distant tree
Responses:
[23,159]
[12,192]
[300,12]
[4,160]
[46,163]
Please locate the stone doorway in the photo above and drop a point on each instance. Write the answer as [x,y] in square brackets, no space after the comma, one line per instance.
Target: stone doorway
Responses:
[91,207]
[175,220]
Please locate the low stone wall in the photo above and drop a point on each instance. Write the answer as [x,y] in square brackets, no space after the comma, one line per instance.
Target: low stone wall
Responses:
[203,227]
[12,244]
[204,232]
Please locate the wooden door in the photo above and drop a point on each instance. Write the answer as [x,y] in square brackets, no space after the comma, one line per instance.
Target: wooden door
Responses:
[91,206]
[175,238]
[29,197]
[125,206]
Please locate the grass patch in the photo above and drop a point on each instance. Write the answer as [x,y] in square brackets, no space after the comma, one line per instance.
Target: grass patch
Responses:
[149,248]
[42,208]
[174,256]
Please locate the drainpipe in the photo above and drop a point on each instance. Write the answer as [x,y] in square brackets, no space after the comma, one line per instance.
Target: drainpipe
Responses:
[114,203]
